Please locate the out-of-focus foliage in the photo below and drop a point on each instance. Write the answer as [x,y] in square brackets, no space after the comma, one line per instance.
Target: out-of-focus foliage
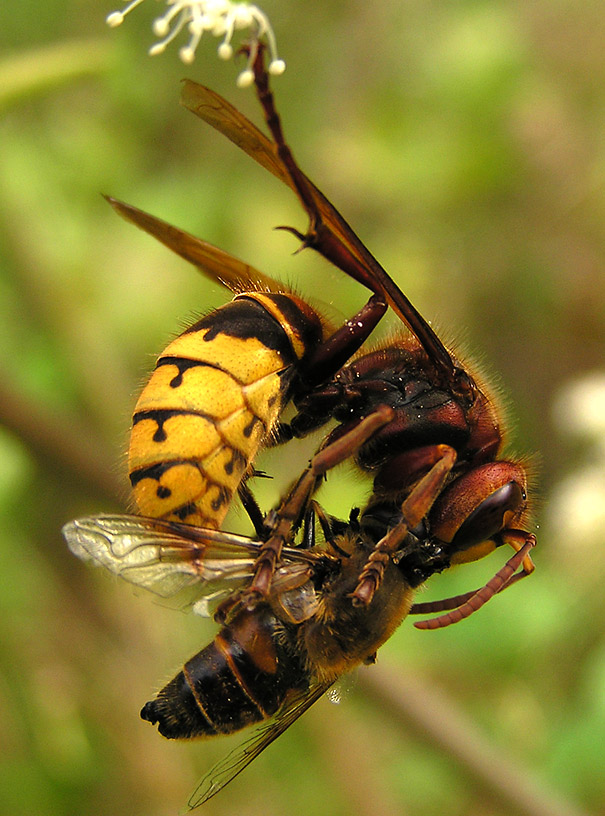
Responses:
[466,143]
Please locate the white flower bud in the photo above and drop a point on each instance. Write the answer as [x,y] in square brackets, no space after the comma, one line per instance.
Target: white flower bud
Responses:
[114,19]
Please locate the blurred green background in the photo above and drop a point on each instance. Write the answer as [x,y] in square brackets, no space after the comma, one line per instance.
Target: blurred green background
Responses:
[466,144]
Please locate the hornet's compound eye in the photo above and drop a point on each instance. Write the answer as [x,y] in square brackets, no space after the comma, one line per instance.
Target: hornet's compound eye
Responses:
[489,517]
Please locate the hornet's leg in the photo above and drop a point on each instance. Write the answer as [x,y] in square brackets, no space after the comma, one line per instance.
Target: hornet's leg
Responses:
[413,510]
[281,523]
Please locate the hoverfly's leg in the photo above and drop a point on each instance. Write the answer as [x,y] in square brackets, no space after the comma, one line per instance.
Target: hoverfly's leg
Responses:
[506,576]
[308,527]
[332,528]
[281,523]
[414,509]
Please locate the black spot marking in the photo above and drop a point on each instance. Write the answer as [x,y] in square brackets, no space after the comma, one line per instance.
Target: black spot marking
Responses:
[185,510]
[224,497]
[182,365]
[250,427]
[161,415]
[163,492]
[238,459]
[160,434]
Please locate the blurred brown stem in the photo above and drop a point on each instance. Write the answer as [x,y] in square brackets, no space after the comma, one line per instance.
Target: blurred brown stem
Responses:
[417,706]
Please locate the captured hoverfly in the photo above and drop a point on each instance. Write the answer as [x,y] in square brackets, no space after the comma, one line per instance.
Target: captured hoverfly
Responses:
[269,663]
[296,614]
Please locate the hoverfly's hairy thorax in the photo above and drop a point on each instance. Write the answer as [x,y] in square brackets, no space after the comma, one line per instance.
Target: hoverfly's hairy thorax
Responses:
[341,635]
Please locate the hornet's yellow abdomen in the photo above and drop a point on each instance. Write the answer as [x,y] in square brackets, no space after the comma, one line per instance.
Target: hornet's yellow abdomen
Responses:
[212,401]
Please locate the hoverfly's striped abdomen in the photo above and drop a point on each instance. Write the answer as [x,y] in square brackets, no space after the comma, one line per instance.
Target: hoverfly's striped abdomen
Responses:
[237,680]
[214,396]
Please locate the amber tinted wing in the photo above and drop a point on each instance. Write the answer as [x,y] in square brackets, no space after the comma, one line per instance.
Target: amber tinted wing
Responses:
[240,757]
[333,237]
[222,116]
[215,263]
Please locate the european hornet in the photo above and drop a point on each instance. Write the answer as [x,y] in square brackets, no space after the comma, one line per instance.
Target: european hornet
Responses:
[294,618]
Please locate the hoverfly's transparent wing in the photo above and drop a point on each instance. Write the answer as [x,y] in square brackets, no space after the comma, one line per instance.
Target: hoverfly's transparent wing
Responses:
[329,233]
[215,263]
[173,561]
[240,757]
[186,565]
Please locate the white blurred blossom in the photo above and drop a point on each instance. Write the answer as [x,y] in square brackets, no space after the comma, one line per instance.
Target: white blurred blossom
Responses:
[218,18]
[577,505]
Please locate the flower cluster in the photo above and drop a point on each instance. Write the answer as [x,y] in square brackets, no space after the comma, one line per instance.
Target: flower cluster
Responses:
[220,18]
